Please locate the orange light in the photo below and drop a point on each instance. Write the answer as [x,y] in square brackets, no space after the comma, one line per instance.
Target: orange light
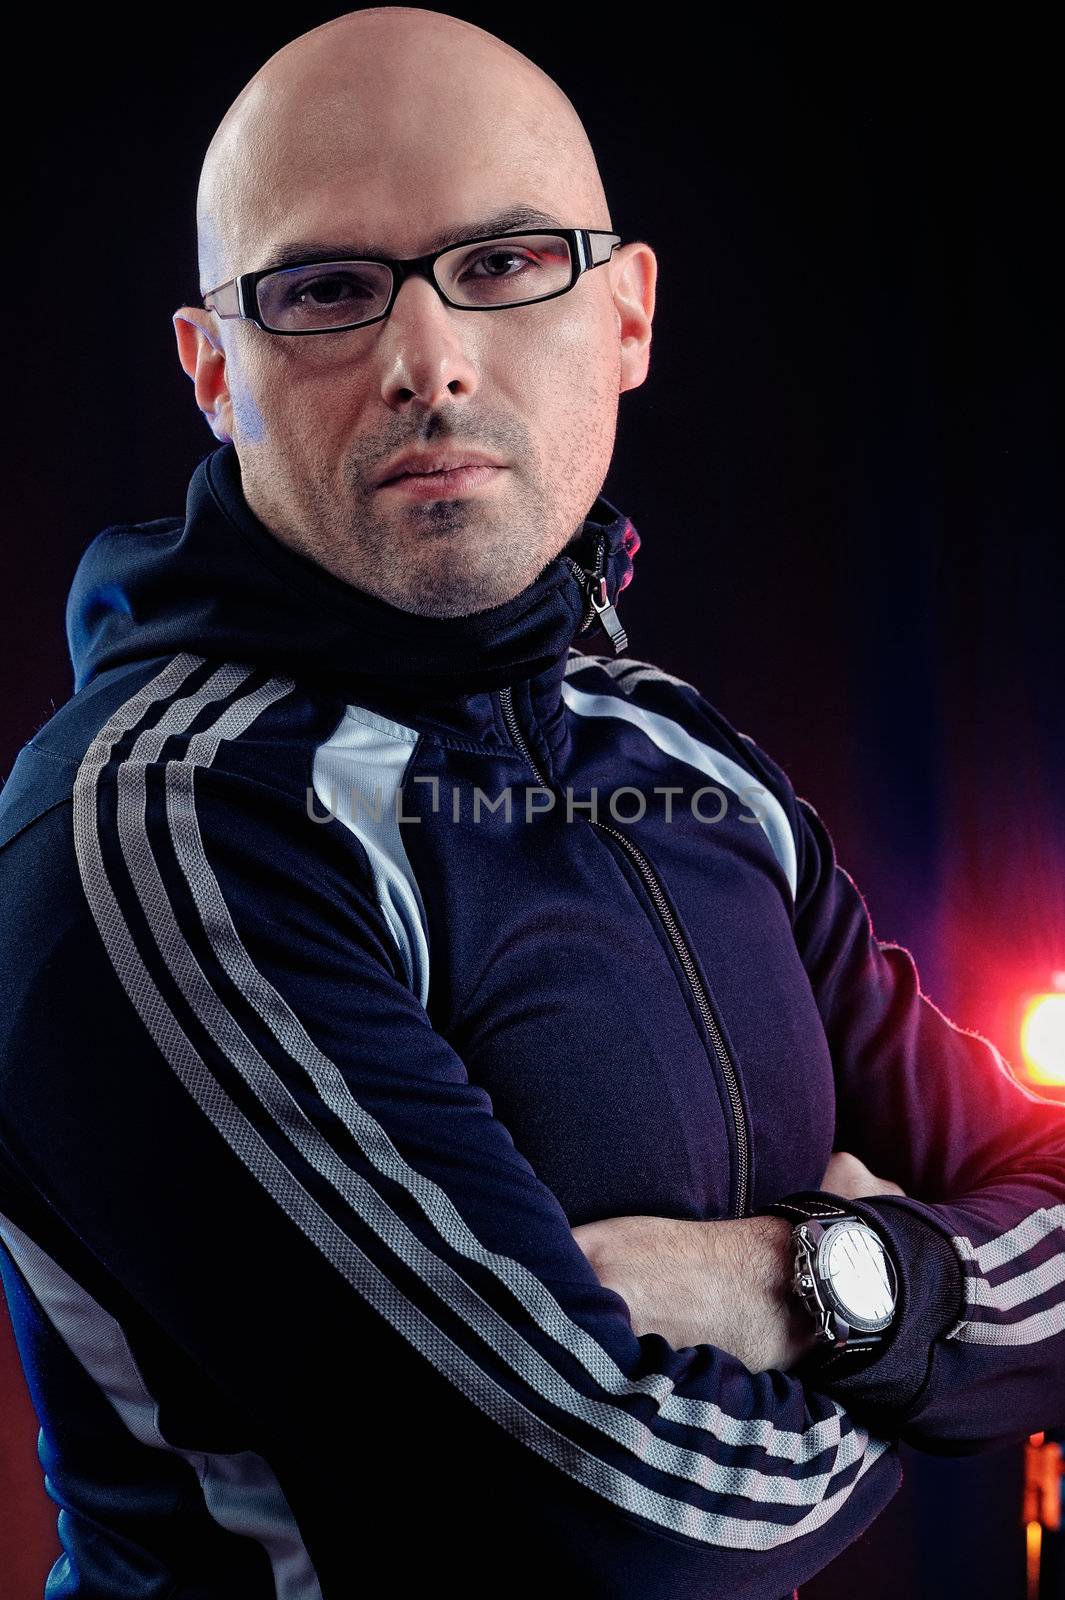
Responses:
[1043,1038]
[1033,1543]
[1044,1469]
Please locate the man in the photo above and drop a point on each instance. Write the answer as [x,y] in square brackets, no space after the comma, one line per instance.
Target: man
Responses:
[410,1020]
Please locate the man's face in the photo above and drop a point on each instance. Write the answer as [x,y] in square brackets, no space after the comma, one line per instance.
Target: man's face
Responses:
[317,420]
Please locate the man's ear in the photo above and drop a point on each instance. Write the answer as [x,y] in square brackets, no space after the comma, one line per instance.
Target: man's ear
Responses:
[634,269]
[203,358]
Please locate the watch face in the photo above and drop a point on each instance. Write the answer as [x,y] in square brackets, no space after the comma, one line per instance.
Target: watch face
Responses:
[857,1274]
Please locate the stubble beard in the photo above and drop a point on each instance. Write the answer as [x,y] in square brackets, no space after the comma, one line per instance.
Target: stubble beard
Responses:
[437,558]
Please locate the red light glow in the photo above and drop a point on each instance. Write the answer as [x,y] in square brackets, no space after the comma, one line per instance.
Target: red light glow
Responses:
[1043,1038]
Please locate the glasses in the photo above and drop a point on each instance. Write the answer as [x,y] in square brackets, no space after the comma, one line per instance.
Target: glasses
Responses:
[488,274]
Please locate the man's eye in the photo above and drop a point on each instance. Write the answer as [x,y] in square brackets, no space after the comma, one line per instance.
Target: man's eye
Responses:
[328,291]
[497,256]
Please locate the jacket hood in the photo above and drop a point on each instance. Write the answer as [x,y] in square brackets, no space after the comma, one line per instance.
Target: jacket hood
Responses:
[218,583]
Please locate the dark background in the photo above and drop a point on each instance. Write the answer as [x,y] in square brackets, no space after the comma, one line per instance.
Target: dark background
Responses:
[842,467]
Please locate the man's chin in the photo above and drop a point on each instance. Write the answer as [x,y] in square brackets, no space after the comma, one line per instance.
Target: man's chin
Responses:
[449,590]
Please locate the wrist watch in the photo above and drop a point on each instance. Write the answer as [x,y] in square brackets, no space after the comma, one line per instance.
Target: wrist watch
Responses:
[843,1274]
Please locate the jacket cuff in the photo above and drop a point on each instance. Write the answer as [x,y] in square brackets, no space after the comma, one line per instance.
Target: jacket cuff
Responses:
[883,1385]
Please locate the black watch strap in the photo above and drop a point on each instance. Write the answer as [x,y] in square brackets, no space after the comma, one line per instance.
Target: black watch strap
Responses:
[807,1203]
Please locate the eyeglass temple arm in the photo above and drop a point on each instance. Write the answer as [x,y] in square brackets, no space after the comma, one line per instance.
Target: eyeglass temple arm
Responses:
[602,245]
[226,299]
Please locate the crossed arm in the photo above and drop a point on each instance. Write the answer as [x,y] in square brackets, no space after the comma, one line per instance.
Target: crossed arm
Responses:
[720,1283]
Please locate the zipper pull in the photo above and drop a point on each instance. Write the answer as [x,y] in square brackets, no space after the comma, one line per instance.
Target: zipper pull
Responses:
[607,614]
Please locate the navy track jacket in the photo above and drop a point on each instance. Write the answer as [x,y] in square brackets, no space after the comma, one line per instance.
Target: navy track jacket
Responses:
[351,958]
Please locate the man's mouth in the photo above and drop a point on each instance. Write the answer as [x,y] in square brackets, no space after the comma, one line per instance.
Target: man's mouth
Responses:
[443,484]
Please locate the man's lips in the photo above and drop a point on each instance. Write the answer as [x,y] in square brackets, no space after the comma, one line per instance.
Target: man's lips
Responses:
[443,485]
[424,463]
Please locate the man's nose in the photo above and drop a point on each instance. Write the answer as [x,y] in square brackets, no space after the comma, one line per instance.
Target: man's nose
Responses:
[425,348]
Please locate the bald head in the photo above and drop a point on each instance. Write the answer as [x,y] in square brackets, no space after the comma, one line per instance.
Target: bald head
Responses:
[395,103]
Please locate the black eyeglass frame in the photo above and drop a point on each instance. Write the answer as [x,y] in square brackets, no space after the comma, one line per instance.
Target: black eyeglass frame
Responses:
[585,251]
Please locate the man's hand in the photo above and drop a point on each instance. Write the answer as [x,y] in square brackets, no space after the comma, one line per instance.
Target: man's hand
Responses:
[722,1283]
[847,1176]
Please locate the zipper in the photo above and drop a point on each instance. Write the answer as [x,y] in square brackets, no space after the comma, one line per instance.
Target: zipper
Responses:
[506,701]
[586,579]
[599,603]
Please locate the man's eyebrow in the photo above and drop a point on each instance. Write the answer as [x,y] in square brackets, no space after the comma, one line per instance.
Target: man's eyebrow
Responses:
[297,250]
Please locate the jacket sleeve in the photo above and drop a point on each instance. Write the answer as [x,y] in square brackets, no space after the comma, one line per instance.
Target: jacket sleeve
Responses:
[976,1359]
[215,1075]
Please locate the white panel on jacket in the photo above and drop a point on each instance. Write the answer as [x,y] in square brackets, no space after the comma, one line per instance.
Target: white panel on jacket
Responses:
[357,776]
[676,741]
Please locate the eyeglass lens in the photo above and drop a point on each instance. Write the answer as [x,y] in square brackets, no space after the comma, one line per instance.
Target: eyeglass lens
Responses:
[496,272]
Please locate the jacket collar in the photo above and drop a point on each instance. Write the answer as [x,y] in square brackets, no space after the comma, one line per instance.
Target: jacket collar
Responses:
[222,585]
